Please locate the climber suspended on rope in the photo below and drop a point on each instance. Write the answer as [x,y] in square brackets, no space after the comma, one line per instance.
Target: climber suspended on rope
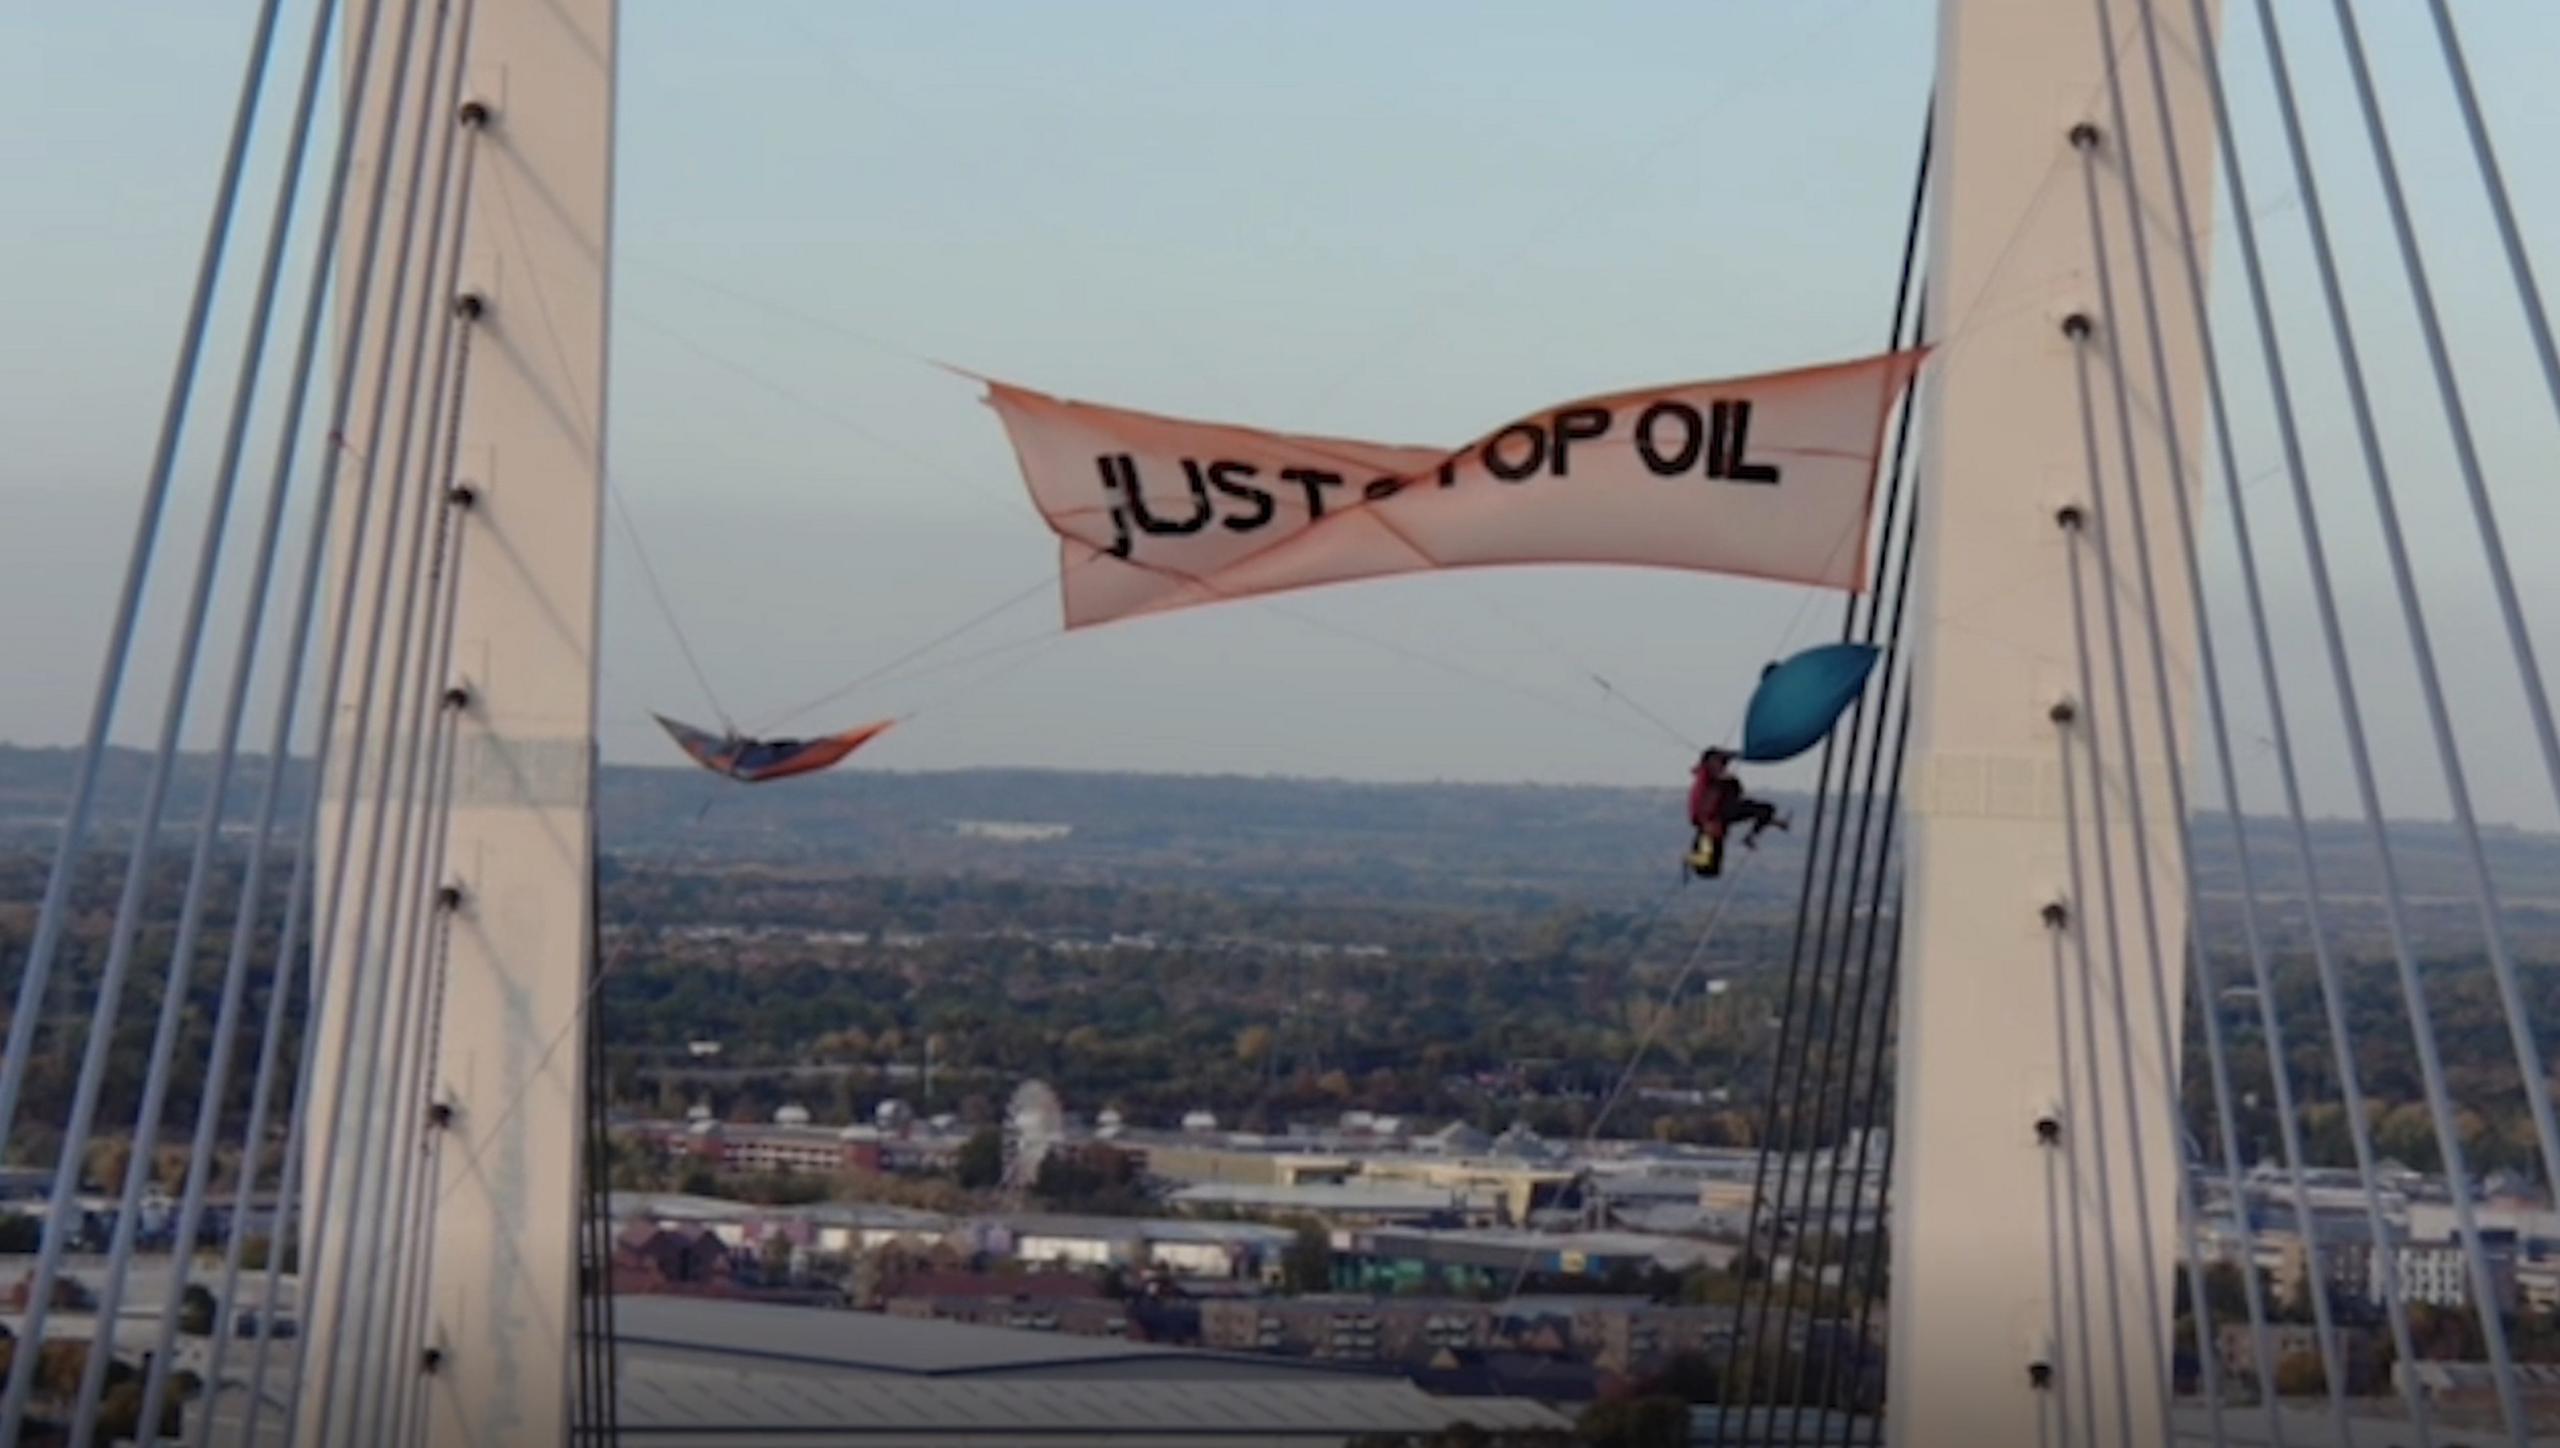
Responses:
[754,761]
[1716,804]
[1794,707]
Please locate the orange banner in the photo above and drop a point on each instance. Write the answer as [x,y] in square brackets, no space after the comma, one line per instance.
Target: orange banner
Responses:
[1765,477]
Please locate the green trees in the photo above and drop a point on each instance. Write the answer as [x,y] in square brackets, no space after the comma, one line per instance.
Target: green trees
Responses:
[120,1415]
[2299,1375]
[1307,1266]
[776,1256]
[1091,1179]
[1270,950]
[981,1163]
[1660,1422]
[254,1252]
[196,1310]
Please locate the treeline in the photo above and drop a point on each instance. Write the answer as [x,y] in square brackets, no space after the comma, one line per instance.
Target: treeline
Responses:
[825,985]
[1431,1014]
[1497,847]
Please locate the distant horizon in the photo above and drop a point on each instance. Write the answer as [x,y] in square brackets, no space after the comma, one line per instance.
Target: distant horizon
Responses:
[844,776]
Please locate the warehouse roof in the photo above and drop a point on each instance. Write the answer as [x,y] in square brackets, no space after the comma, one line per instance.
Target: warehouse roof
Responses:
[681,1405]
[753,1335]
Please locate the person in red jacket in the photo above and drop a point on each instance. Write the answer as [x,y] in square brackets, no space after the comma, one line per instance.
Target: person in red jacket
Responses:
[1716,803]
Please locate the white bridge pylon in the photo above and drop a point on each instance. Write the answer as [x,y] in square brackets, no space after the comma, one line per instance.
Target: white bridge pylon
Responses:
[480,1349]
[2035,1207]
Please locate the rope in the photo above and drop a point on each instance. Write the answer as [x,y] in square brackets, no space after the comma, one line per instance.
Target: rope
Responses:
[1046,581]
[666,609]
[1027,652]
[974,656]
[845,420]
[1670,1002]
[577,1021]
[1445,665]
[1652,1027]
[1049,580]
[2413,991]
[1669,730]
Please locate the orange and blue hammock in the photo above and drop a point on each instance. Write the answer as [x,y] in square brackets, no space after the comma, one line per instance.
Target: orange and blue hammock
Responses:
[755,761]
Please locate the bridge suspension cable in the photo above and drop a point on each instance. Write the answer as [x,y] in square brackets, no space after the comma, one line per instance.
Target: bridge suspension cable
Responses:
[62,1201]
[1754,1354]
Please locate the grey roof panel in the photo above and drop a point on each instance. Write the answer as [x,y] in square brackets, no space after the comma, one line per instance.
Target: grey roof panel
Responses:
[665,1399]
[762,1334]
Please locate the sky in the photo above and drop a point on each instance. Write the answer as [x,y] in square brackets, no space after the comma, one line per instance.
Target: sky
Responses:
[1404,222]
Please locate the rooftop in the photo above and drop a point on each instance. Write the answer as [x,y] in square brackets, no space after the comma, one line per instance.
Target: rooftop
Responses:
[684,1406]
[1513,1246]
[1137,1229]
[1318,1197]
[747,1335]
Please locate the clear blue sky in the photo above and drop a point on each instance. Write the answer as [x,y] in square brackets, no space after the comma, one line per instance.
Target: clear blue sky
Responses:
[1397,220]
